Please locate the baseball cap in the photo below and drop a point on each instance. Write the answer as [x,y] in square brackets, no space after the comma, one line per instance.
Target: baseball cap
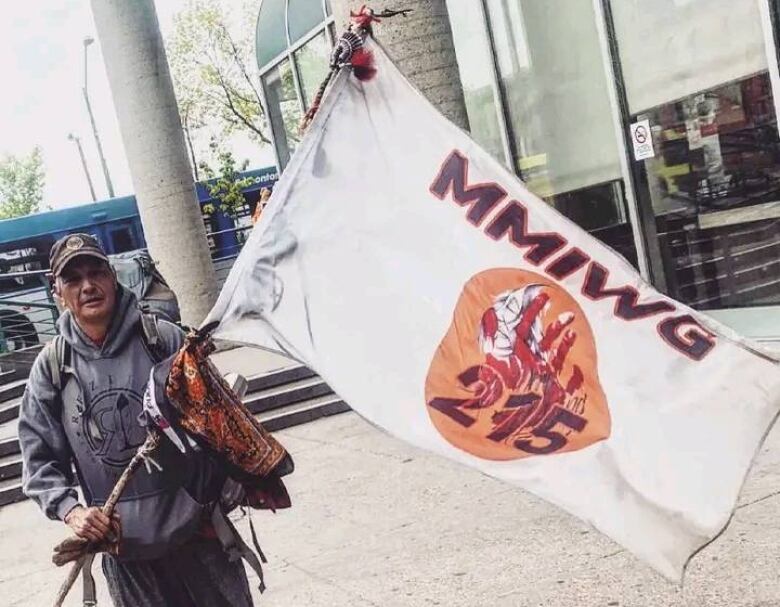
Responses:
[71,246]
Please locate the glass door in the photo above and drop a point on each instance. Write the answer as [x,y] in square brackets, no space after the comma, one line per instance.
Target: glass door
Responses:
[699,81]
[559,119]
[537,97]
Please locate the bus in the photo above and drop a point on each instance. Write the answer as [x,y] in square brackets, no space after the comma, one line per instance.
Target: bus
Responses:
[27,310]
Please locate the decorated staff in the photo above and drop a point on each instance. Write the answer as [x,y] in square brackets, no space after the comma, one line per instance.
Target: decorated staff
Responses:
[81,550]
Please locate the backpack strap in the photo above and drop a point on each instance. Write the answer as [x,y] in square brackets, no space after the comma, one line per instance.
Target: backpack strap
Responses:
[150,333]
[58,357]
[59,353]
[235,546]
[88,582]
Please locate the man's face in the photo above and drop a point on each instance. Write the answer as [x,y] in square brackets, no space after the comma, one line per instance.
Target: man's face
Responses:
[87,287]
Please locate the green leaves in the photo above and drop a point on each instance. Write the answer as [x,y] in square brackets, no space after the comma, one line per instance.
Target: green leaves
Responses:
[225,184]
[213,74]
[21,184]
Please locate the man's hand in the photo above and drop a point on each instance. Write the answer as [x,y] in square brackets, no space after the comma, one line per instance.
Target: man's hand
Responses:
[91,524]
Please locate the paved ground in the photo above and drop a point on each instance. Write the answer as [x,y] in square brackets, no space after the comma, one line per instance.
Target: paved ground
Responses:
[376,523]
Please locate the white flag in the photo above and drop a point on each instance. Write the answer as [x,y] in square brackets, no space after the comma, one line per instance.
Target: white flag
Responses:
[450,306]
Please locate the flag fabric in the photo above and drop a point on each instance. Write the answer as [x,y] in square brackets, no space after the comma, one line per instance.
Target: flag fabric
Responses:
[453,308]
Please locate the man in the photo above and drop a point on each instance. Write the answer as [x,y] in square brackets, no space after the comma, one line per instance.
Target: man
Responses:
[265,194]
[159,551]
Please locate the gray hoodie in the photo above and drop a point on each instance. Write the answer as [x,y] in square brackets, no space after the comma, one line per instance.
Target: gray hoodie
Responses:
[93,423]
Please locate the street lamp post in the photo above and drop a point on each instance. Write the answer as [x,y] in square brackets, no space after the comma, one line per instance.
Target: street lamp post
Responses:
[77,140]
[88,41]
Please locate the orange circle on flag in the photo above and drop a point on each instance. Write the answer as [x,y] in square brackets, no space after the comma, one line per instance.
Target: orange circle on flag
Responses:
[516,374]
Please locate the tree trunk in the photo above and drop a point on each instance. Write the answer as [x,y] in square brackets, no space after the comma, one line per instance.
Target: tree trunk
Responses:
[188,139]
[154,143]
[421,46]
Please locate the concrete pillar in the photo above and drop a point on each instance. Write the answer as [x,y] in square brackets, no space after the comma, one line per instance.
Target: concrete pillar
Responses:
[421,46]
[154,143]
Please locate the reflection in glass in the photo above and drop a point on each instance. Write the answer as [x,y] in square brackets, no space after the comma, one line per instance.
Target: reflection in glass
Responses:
[559,115]
[283,109]
[472,49]
[271,35]
[303,16]
[714,182]
[312,62]
[715,190]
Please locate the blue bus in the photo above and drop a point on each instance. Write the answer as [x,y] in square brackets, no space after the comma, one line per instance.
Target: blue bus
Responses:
[25,243]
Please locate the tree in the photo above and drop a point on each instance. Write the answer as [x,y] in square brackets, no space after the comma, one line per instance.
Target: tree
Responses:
[210,65]
[226,184]
[21,184]
[191,121]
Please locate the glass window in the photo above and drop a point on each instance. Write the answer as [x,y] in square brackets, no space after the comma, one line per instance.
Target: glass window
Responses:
[18,260]
[271,35]
[294,81]
[283,109]
[122,240]
[312,61]
[556,95]
[560,120]
[713,184]
[472,48]
[670,49]
[303,16]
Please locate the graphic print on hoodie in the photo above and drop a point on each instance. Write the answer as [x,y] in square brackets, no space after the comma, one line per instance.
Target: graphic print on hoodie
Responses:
[110,425]
[103,399]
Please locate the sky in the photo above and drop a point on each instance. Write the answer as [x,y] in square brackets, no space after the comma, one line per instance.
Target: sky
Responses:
[42,64]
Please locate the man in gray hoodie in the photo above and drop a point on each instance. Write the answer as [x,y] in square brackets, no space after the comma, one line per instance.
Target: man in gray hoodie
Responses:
[85,413]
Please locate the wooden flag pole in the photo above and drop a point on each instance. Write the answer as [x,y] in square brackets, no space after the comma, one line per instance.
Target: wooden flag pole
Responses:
[64,551]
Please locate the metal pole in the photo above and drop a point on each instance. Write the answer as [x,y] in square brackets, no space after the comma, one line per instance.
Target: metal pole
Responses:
[643,222]
[72,137]
[499,96]
[109,185]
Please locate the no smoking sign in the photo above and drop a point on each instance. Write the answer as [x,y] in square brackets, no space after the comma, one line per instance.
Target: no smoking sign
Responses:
[642,139]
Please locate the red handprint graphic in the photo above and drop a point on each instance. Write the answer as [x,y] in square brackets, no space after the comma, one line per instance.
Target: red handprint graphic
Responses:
[522,355]
[527,391]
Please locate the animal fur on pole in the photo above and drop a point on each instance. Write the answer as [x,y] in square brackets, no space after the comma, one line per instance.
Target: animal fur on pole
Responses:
[75,548]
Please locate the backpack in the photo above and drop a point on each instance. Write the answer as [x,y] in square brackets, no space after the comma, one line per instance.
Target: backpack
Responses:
[58,351]
[239,463]
[137,272]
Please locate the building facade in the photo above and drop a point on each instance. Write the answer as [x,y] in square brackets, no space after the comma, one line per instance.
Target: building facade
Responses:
[653,125]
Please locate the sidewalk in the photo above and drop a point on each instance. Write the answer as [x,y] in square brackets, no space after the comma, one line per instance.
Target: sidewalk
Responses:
[377,523]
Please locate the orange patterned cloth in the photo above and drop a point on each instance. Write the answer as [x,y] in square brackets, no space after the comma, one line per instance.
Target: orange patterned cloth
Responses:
[211,411]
